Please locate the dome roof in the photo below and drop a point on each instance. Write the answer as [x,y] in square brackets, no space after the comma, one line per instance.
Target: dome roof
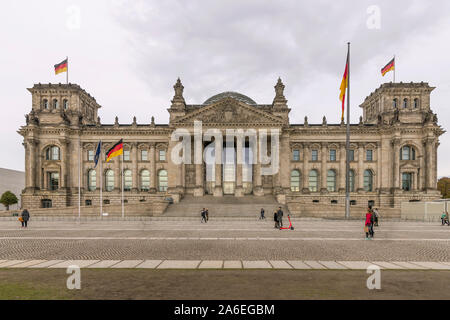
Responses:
[230,94]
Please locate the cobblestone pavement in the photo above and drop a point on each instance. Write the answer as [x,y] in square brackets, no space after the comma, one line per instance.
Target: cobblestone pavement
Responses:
[320,240]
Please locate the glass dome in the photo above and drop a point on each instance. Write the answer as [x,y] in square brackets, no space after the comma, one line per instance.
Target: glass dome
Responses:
[230,94]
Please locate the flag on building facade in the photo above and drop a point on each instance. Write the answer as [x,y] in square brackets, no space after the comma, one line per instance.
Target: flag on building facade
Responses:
[61,67]
[97,153]
[115,151]
[389,67]
[343,88]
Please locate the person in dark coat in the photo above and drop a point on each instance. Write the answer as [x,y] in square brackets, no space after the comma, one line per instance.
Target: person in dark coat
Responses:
[203,213]
[280,217]
[207,214]
[275,218]
[25,217]
[261,217]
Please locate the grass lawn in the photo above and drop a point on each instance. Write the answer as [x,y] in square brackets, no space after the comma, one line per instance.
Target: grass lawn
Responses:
[28,284]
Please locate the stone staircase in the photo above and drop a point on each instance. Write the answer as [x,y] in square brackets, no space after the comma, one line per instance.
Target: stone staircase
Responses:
[226,206]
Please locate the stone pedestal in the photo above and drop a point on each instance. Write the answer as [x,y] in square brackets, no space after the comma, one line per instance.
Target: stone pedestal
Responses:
[239,192]
[258,191]
[218,192]
[199,192]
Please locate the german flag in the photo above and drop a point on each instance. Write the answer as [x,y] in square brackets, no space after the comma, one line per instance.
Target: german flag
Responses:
[390,66]
[61,67]
[115,151]
[343,88]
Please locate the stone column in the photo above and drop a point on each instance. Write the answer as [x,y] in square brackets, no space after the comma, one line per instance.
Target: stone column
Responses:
[117,173]
[379,167]
[218,192]
[31,166]
[342,165]
[134,159]
[360,167]
[305,175]
[199,176]
[396,164]
[63,160]
[239,191]
[153,173]
[430,163]
[323,168]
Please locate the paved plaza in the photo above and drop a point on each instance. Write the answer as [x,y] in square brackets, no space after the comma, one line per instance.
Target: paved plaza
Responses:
[242,243]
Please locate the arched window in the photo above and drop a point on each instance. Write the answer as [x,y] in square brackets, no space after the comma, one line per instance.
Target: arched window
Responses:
[92,180]
[145,180]
[65,104]
[55,104]
[45,104]
[162,180]
[127,180]
[351,176]
[416,103]
[405,103]
[295,180]
[109,181]
[52,153]
[331,180]
[394,103]
[313,180]
[408,153]
[368,181]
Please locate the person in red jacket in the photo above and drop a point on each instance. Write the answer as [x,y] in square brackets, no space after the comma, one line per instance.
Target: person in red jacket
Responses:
[369,224]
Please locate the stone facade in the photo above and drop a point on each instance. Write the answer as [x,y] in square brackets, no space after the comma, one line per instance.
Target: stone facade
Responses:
[393,151]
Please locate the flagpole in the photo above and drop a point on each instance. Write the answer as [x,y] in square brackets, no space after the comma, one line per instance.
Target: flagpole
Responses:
[67,72]
[79,182]
[123,212]
[395,67]
[347,141]
[101,181]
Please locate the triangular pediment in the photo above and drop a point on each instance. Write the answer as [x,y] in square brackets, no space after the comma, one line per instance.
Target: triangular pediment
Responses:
[229,111]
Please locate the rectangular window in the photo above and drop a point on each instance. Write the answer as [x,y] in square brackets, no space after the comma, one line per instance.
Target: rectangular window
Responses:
[90,155]
[314,155]
[369,155]
[144,155]
[46,203]
[53,180]
[296,155]
[351,155]
[407,181]
[126,155]
[332,155]
[162,155]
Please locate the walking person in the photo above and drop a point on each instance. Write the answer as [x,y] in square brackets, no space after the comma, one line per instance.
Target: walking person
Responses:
[261,217]
[280,217]
[275,218]
[368,224]
[25,217]
[207,214]
[444,218]
[203,214]
[376,216]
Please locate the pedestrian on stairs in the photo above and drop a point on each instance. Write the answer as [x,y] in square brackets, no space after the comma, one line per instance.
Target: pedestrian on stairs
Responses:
[203,213]
[207,214]
[261,217]
[280,217]
[275,218]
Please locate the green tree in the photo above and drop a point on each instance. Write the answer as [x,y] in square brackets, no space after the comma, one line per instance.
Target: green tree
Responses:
[8,198]
[444,187]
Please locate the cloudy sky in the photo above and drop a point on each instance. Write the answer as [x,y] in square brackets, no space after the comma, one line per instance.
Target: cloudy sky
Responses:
[128,54]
